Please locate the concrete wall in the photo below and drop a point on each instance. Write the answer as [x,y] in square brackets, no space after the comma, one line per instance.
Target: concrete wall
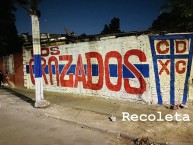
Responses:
[151,69]
[18,70]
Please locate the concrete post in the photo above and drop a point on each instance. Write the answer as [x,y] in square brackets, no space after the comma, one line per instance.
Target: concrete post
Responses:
[40,102]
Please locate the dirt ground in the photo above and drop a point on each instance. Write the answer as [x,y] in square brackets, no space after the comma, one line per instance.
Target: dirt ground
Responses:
[23,127]
[164,132]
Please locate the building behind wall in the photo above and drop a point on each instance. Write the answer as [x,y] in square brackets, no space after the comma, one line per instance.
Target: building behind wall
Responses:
[12,66]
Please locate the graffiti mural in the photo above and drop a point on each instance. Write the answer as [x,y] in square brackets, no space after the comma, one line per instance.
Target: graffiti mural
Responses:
[172,61]
[151,69]
[84,73]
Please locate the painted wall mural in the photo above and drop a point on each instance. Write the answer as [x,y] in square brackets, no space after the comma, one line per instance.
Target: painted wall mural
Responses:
[104,70]
[129,68]
[172,60]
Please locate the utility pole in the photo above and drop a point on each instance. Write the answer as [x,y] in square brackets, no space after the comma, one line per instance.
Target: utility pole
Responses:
[35,14]
[40,102]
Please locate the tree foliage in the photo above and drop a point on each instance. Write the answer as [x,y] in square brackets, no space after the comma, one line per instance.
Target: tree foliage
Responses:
[113,27]
[9,41]
[32,3]
[178,16]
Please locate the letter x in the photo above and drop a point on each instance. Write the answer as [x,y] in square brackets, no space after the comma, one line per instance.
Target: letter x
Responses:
[164,67]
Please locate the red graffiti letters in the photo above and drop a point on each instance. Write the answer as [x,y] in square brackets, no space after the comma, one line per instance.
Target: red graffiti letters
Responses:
[162,50]
[183,69]
[69,76]
[164,67]
[53,59]
[110,86]
[142,58]
[90,84]
[80,73]
[66,83]
[180,47]
[178,43]
[43,72]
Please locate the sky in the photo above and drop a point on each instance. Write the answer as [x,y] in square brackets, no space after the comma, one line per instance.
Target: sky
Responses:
[90,16]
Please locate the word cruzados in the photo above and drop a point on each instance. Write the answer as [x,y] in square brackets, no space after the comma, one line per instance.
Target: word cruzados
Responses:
[152,117]
[77,71]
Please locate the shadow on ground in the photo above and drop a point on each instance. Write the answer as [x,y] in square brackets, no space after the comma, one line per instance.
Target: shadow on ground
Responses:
[21,96]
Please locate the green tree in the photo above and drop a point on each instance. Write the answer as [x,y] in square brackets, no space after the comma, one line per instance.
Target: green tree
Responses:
[113,27]
[178,16]
[106,30]
[9,40]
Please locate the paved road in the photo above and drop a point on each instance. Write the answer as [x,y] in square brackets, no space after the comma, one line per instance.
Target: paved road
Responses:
[19,126]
